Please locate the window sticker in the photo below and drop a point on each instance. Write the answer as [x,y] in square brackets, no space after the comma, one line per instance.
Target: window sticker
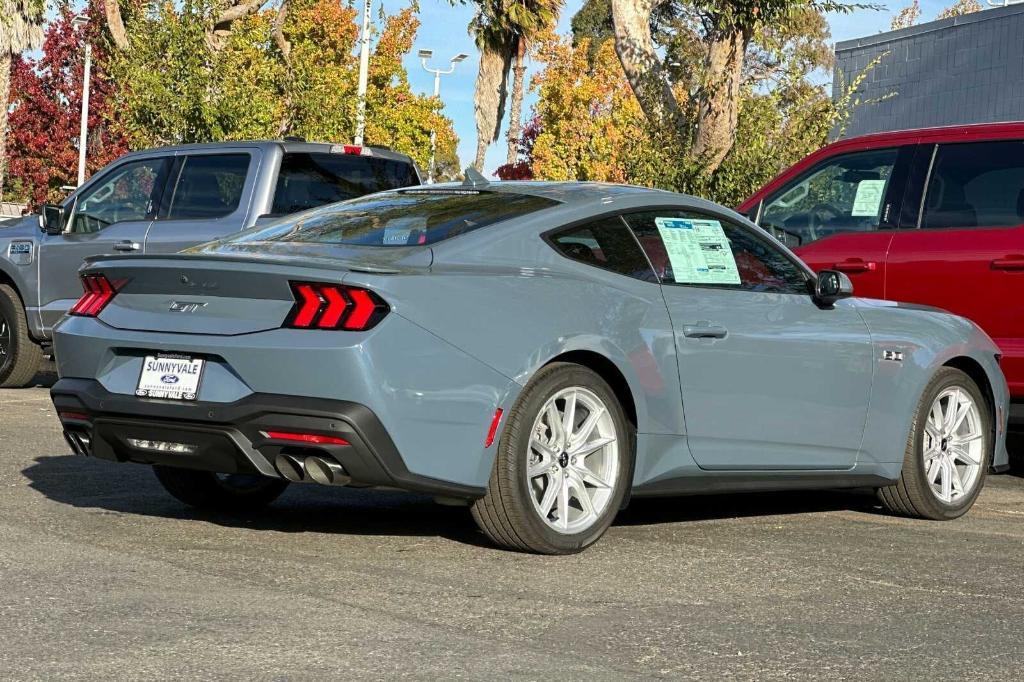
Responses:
[868,199]
[698,250]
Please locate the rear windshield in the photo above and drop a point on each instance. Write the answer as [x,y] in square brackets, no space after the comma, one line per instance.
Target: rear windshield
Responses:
[310,180]
[400,218]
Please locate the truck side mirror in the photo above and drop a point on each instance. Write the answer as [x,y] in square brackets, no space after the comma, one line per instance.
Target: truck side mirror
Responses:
[51,219]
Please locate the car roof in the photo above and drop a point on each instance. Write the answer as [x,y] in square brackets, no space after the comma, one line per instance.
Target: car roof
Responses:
[288,145]
[573,192]
[971,131]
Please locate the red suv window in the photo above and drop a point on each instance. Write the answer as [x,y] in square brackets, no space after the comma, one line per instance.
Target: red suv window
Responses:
[976,184]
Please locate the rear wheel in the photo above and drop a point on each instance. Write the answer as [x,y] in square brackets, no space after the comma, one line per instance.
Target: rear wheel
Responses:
[947,453]
[562,466]
[220,492]
[20,356]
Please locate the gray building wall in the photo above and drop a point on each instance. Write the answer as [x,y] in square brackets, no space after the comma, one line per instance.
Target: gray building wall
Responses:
[967,69]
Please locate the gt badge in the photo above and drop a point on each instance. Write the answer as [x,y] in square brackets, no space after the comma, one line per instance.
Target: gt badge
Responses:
[185,307]
[892,355]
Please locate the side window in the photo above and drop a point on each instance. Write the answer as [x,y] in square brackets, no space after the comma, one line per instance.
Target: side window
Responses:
[308,180]
[606,244]
[126,193]
[976,184]
[691,248]
[208,186]
[842,194]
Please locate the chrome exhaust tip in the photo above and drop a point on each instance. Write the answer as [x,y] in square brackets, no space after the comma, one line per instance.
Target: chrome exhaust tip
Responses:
[326,472]
[291,468]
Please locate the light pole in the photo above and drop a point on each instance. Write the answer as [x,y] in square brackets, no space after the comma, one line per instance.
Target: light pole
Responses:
[364,72]
[79,22]
[424,56]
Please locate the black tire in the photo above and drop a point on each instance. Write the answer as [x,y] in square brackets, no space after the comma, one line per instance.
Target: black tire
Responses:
[20,357]
[912,495]
[506,513]
[218,492]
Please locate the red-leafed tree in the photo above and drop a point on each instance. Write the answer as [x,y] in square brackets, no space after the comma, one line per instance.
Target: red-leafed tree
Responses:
[522,169]
[46,100]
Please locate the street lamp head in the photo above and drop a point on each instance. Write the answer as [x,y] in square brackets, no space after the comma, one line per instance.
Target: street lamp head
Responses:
[80,20]
[459,57]
[425,54]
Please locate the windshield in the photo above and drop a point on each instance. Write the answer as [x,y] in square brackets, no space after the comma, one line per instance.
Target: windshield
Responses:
[406,218]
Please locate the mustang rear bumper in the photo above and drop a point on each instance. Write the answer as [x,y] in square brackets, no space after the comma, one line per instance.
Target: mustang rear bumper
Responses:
[230,437]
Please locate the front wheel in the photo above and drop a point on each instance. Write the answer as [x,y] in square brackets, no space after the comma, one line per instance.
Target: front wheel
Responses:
[947,453]
[562,467]
[219,492]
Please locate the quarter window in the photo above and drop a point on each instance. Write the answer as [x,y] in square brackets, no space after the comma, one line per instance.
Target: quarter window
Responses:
[606,244]
[209,186]
[125,194]
[843,194]
[976,184]
[696,249]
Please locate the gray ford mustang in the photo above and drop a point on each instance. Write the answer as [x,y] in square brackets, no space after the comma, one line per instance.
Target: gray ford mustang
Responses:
[541,352]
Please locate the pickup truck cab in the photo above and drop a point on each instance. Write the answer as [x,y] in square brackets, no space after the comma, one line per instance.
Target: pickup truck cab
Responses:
[162,201]
[932,216]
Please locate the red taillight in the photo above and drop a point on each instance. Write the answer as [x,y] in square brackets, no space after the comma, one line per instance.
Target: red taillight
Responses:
[310,438]
[333,306]
[98,293]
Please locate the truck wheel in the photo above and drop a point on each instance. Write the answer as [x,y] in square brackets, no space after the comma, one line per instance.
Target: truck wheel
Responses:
[20,356]
[219,492]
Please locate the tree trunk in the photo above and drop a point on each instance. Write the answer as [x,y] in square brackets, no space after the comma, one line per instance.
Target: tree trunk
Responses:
[719,100]
[115,24]
[489,97]
[642,65]
[5,100]
[515,124]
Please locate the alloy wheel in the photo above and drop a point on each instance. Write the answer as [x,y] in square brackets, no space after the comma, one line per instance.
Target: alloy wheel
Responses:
[573,460]
[5,342]
[953,445]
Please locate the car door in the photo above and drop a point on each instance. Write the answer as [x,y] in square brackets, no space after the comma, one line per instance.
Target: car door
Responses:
[841,214]
[208,197]
[966,251]
[769,379]
[110,215]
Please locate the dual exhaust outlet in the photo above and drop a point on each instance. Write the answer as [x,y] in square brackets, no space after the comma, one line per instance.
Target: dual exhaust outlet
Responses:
[311,469]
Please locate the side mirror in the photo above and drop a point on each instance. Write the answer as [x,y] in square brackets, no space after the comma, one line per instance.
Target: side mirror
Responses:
[830,286]
[51,219]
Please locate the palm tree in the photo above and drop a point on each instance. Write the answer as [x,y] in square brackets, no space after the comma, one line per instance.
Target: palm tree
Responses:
[21,28]
[503,30]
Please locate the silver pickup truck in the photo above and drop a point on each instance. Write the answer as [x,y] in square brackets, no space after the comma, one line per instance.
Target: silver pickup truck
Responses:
[162,201]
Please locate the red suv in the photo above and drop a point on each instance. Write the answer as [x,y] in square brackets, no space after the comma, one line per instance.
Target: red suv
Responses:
[932,216]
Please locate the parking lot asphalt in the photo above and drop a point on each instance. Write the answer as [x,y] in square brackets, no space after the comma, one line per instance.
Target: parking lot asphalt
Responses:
[104,576]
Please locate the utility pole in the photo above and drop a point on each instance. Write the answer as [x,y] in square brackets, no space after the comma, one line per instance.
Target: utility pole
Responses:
[364,73]
[424,56]
[83,128]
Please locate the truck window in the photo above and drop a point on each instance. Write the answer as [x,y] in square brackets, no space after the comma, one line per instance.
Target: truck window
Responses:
[126,193]
[209,186]
[308,180]
[842,194]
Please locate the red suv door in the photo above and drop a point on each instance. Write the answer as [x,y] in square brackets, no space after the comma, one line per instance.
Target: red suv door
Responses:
[841,213]
[966,251]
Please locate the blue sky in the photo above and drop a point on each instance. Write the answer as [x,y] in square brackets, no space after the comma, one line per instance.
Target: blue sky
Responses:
[444,30]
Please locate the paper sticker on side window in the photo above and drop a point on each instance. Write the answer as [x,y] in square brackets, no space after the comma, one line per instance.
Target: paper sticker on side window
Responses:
[868,198]
[20,252]
[698,251]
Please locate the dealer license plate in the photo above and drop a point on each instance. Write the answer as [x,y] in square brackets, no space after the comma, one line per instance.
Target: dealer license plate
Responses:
[171,377]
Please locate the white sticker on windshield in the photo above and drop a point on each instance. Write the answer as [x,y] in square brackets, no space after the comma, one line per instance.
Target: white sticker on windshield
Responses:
[698,251]
[869,198]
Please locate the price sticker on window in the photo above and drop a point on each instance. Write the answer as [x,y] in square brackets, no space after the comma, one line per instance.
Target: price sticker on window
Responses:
[698,250]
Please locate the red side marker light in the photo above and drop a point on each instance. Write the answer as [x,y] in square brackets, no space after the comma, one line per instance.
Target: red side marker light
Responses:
[309,438]
[493,431]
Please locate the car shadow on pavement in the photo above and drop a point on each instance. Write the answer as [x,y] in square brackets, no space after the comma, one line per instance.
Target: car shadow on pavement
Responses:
[133,490]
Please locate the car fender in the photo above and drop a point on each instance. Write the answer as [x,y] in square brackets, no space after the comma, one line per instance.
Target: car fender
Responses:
[911,343]
[19,251]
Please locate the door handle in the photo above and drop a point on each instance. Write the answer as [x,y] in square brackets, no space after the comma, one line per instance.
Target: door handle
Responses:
[127,245]
[1012,262]
[703,330]
[855,265]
